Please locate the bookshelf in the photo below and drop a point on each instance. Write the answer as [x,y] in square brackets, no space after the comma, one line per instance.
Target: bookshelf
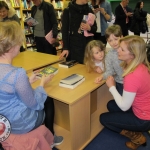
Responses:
[23,10]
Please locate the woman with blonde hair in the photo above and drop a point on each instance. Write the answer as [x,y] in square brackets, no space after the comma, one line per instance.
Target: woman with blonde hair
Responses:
[26,108]
[94,56]
[129,114]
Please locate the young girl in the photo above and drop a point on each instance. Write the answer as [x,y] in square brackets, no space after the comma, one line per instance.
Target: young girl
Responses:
[94,56]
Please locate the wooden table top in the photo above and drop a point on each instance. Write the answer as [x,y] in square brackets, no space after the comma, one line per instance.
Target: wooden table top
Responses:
[69,96]
[31,60]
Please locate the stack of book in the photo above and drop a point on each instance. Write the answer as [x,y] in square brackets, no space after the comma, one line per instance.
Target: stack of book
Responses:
[68,64]
[71,81]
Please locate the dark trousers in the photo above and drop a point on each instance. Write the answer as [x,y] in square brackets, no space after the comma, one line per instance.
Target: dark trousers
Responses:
[98,36]
[49,114]
[117,120]
[44,47]
[46,116]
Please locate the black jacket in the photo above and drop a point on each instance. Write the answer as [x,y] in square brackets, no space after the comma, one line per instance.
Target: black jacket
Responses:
[50,20]
[139,21]
[72,40]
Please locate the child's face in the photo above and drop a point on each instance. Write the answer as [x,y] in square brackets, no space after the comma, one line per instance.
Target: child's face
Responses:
[113,41]
[97,54]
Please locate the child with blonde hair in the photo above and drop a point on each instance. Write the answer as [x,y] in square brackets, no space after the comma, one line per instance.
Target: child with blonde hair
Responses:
[94,56]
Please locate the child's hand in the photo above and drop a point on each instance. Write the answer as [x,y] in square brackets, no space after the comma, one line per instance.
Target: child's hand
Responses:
[98,79]
[45,79]
[110,81]
[33,78]
[99,70]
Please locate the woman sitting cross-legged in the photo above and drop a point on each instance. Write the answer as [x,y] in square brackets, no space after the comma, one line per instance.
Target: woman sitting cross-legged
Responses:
[129,114]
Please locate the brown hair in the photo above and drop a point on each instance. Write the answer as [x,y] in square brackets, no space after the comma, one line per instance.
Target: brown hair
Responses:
[3,4]
[114,29]
[93,2]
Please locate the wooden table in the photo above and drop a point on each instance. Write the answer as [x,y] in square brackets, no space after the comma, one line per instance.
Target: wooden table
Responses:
[31,60]
[77,111]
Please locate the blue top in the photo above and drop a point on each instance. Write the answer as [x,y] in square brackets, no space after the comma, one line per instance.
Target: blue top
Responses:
[104,25]
[18,101]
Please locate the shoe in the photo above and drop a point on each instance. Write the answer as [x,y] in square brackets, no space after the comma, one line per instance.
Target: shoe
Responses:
[57,140]
[137,139]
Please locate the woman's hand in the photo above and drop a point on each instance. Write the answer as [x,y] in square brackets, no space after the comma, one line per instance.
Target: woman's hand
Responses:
[64,53]
[33,78]
[96,10]
[110,81]
[29,23]
[45,79]
[85,26]
[98,79]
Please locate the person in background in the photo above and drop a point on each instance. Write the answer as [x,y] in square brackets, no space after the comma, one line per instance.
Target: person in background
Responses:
[122,16]
[94,56]
[7,13]
[103,12]
[74,41]
[25,108]
[44,13]
[129,114]
[139,18]
[112,63]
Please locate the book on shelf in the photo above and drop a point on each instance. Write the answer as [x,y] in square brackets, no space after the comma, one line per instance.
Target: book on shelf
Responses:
[71,81]
[47,71]
[32,20]
[68,64]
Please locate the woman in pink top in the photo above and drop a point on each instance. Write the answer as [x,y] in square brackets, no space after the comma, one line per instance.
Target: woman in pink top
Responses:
[129,114]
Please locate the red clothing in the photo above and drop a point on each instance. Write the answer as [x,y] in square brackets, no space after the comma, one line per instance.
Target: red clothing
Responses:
[139,82]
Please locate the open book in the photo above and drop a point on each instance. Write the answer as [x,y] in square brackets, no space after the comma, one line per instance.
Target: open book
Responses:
[47,70]
[32,20]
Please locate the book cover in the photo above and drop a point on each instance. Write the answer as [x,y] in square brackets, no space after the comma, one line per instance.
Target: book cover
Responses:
[32,20]
[49,37]
[68,64]
[48,70]
[71,86]
[71,79]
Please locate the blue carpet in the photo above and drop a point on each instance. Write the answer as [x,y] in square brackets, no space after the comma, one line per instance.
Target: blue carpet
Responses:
[109,140]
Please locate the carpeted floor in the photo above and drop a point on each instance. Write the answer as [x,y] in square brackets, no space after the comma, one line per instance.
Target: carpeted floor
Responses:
[109,140]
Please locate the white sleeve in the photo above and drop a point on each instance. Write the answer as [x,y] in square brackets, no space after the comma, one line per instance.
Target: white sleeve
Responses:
[124,102]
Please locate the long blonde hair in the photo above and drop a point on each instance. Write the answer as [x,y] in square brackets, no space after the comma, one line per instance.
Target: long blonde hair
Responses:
[11,35]
[137,46]
[88,56]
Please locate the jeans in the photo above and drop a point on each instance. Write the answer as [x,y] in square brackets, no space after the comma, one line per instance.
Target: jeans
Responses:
[117,120]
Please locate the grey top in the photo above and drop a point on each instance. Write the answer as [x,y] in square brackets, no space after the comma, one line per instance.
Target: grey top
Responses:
[39,28]
[113,66]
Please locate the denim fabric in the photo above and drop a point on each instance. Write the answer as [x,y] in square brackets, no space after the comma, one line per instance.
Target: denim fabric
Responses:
[106,5]
[117,120]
